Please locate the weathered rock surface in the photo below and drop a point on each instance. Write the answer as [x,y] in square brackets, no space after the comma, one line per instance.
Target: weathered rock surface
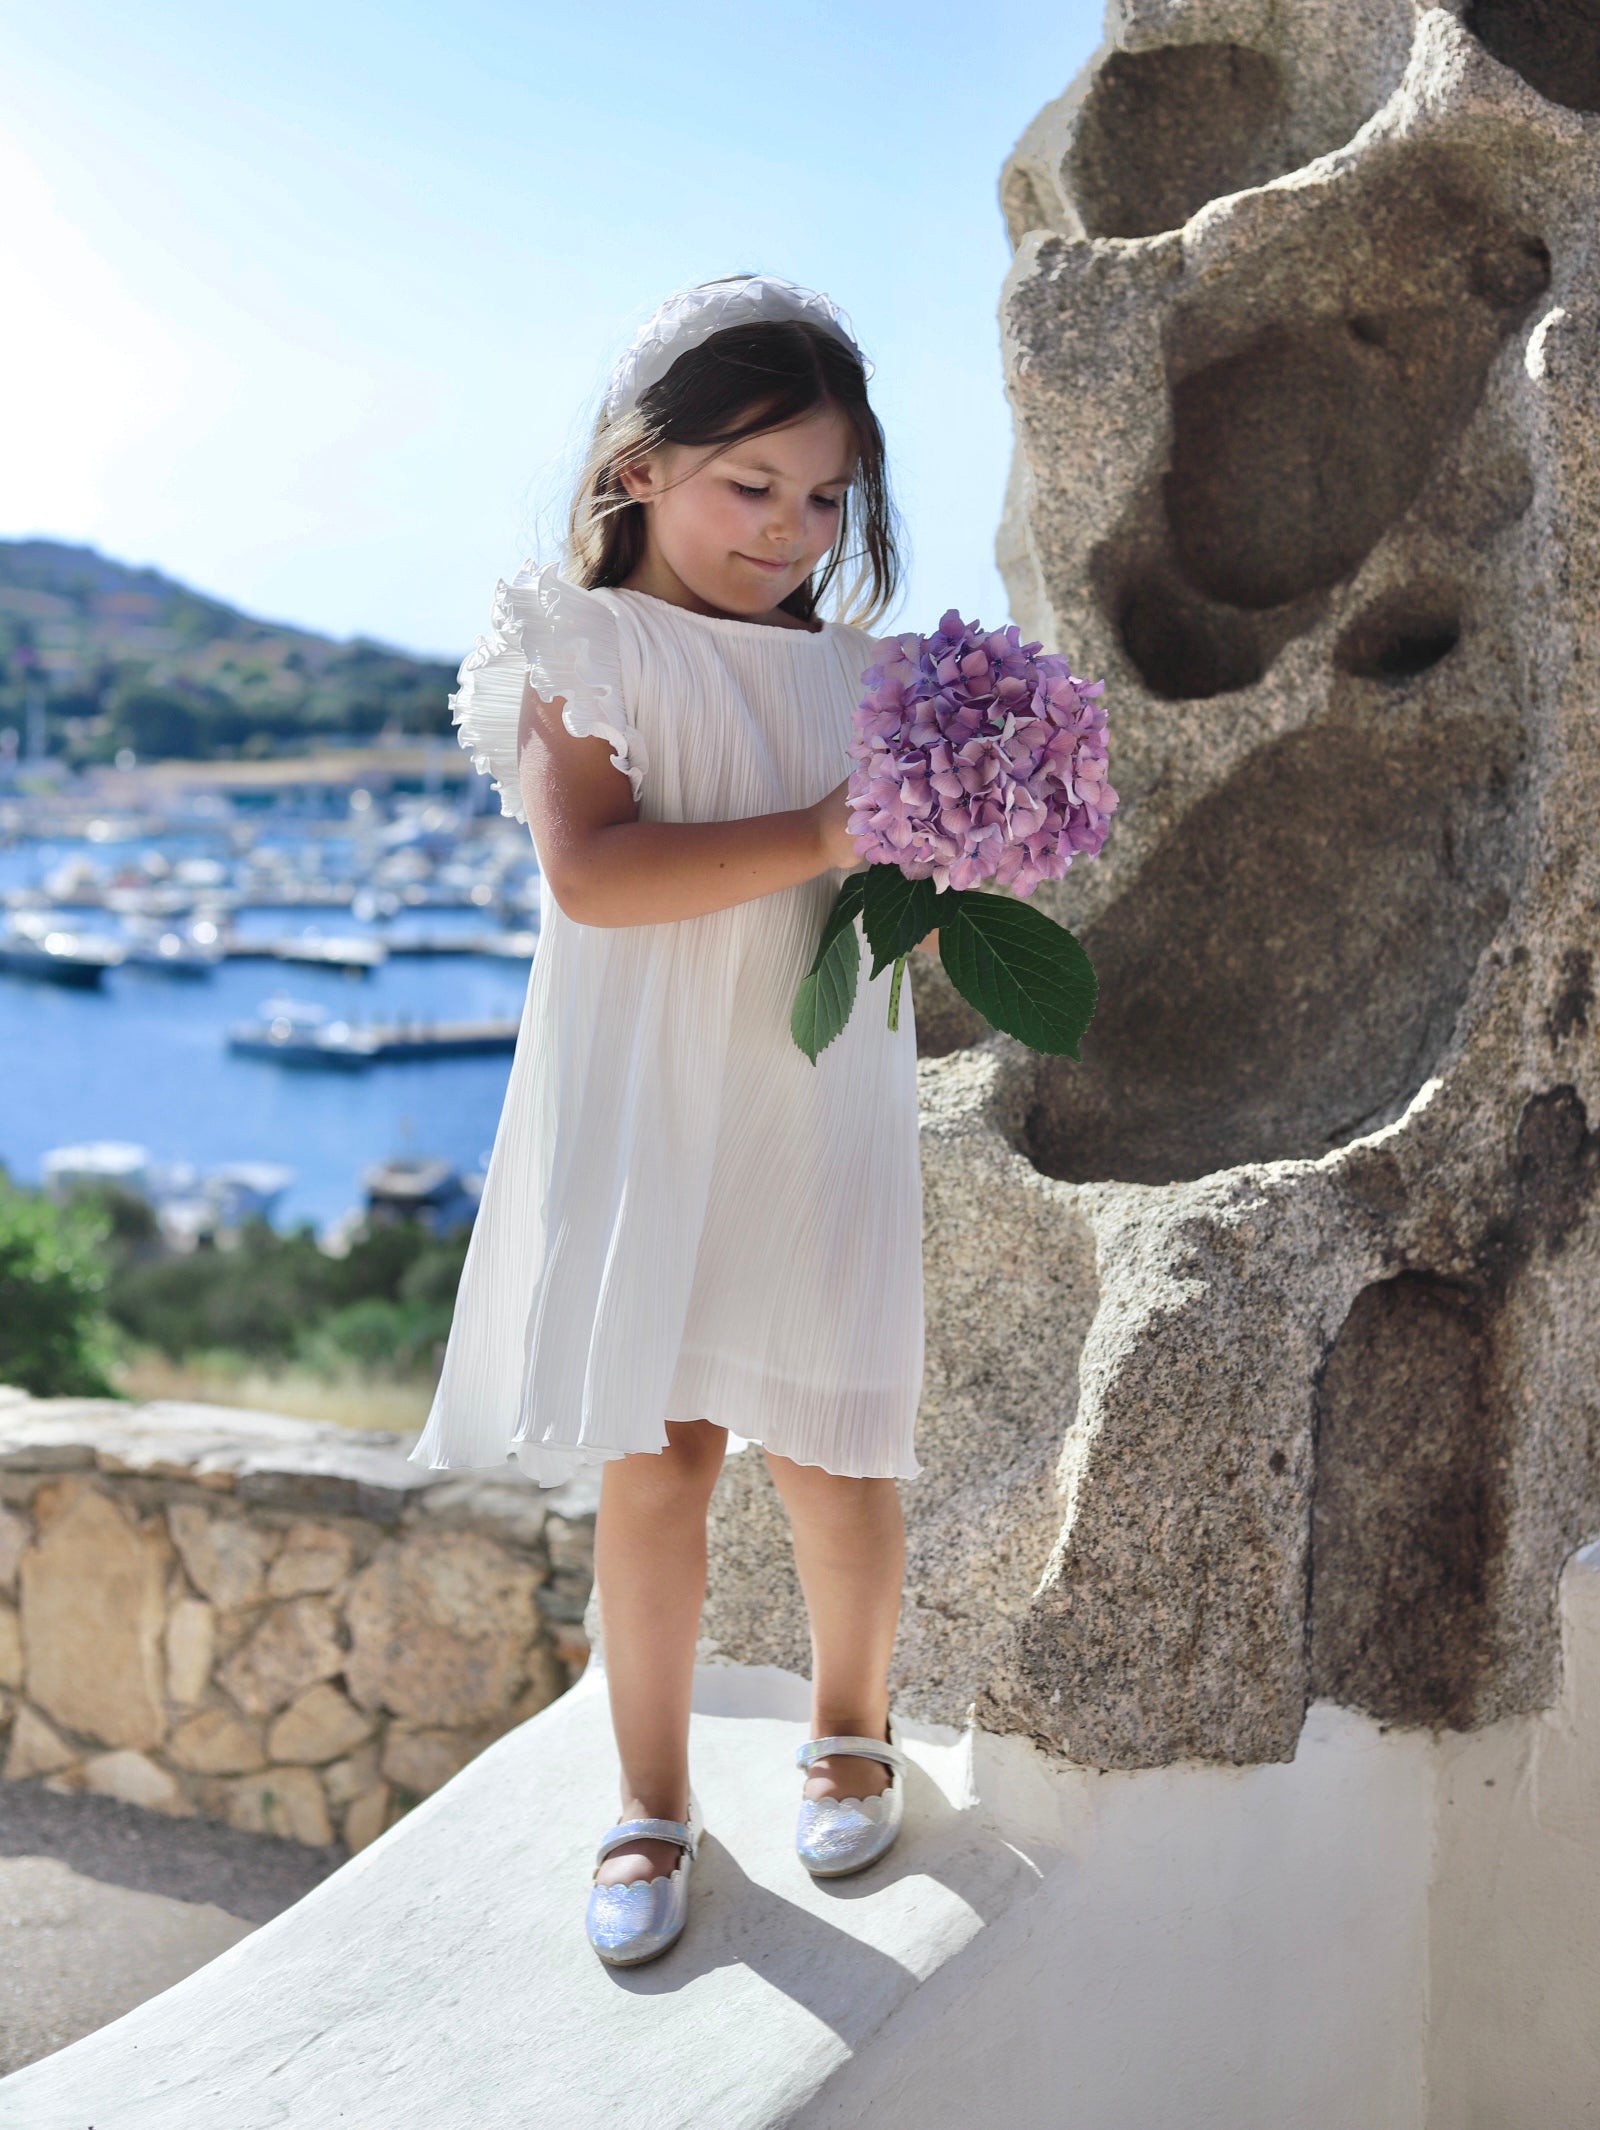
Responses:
[92,1615]
[351,1777]
[295,1645]
[10,1646]
[191,1644]
[224,1556]
[217,1742]
[314,1557]
[438,1626]
[34,1747]
[137,1780]
[424,1760]
[188,1638]
[287,1802]
[14,1537]
[322,1725]
[1262,1343]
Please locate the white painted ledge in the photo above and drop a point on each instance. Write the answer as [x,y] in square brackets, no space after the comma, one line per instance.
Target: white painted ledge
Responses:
[1046,1948]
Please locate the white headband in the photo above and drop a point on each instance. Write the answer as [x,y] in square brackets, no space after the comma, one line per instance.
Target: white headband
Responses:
[694,314]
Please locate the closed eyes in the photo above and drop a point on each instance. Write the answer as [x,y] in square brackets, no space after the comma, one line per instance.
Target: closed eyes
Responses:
[827,502]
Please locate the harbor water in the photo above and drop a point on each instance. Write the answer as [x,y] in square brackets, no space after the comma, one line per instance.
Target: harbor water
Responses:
[143,1057]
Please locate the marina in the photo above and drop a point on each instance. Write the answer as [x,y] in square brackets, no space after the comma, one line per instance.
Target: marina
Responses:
[45,946]
[135,948]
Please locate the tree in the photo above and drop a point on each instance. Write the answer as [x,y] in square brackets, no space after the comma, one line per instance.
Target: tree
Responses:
[156,723]
[53,1335]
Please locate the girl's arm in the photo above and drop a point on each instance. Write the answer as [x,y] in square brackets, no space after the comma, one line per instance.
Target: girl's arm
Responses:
[605,866]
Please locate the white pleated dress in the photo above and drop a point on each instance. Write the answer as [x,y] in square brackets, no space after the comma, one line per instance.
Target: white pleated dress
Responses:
[683,1217]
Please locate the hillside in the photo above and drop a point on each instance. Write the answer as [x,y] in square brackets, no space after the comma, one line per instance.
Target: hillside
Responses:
[127,657]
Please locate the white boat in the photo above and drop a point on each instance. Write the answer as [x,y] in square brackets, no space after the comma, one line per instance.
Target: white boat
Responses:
[74,880]
[410,1187]
[317,950]
[293,1033]
[194,950]
[200,873]
[408,1183]
[33,943]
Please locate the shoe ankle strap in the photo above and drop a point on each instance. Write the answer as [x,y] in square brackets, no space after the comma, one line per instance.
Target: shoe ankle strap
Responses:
[864,1748]
[646,1830]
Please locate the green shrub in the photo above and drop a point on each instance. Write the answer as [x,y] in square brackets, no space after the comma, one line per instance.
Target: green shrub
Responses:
[157,722]
[435,1273]
[375,1338]
[129,1220]
[256,1297]
[275,1298]
[54,1339]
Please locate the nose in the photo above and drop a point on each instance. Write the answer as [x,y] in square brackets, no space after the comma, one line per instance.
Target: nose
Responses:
[786,522]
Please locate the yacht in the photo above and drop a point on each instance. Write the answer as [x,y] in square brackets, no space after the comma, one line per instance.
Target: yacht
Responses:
[33,943]
[292,1032]
[194,950]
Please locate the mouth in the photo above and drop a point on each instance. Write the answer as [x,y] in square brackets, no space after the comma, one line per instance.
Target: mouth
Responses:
[773,569]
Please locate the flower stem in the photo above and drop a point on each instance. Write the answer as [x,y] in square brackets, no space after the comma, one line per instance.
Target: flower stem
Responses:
[894,994]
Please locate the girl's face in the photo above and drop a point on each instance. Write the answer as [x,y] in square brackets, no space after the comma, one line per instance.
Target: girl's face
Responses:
[737,528]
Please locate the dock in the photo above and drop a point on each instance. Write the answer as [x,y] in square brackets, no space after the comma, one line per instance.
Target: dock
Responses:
[358,952]
[342,1046]
[83,959]
[356,955]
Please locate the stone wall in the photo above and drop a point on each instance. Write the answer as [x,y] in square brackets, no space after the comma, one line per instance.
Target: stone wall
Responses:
[278,1625]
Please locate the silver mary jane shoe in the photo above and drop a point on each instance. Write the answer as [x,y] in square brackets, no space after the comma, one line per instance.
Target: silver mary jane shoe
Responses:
[838,1835]
[628,1925]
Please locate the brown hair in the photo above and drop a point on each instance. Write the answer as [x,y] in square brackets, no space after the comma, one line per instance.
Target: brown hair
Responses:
[735,384]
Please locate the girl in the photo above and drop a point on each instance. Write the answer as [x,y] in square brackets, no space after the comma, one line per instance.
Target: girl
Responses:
[687,1226]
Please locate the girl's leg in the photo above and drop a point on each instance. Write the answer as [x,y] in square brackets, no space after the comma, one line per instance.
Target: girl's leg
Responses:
[650,1571]
[849,1546]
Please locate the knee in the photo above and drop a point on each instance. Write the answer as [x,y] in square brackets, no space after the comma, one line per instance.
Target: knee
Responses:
[832,1501]
[693,1455]
[669,1483]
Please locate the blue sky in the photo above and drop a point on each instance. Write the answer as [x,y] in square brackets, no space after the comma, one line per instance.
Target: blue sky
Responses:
[311,304]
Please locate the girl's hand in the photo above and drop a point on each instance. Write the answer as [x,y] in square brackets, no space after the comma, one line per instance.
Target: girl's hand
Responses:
[838,846]
[833,837]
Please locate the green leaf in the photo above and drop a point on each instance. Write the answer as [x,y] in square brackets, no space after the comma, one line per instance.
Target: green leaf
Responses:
[844,913]
[828,989]
[1025,973]
[896,913]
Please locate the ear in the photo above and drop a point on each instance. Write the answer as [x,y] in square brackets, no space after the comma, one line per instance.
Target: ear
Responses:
[640,478]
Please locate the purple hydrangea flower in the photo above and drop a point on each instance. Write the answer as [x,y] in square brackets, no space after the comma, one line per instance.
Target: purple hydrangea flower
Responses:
[978,757]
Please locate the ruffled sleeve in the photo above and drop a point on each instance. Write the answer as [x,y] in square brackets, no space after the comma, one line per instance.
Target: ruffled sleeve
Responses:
[564,639]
